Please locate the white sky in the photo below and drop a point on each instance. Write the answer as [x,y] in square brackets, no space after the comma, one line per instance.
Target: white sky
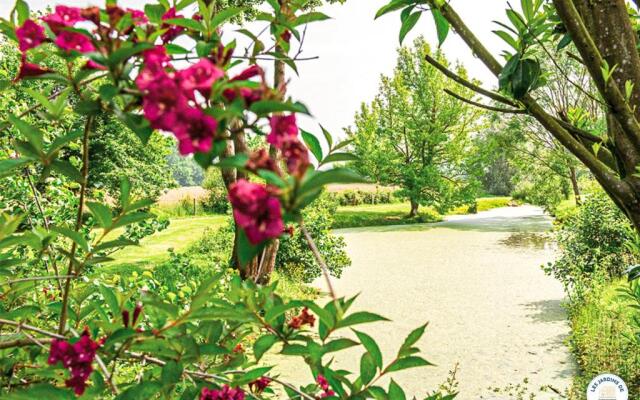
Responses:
[355,50]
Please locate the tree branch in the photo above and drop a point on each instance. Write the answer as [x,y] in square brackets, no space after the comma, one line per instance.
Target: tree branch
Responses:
[476,104]
[457,78]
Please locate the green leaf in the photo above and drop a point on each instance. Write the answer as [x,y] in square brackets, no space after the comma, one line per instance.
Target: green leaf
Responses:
[143,390]
[413,337]
[406,363]
[171,373]
[22,10]
[327,136]
[131,219]
[40,391]
[263,344]
[7,166]
[336,175]
[73,235]
[264,107]
[67,169]
[339,345]
[310,17]
[175,49]
[246,250]
[361,317]
[225,15]
[368,368]
[125,191]
[154,12]
[185,23]
[409,24]
[507,38]
[564,42]
[442,25]
[313,144]
[30,132]
[235,161]
[396,392]
[110,298]
[394,5]
[340,157]
[372,347]
[101,213]
[378,393]
[125,53]
[114,244]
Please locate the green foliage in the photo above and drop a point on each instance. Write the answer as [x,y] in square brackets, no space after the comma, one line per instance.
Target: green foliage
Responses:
[184,170]
[592,246]
[360,197]
[382,215]
[216,201]
[416,137]
[602,337]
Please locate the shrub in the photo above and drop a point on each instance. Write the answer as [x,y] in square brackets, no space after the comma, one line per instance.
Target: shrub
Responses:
[216,201]
[592,246]
[358,197]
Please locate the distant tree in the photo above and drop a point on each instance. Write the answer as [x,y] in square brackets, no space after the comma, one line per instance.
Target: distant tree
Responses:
[415,136]
[185,170]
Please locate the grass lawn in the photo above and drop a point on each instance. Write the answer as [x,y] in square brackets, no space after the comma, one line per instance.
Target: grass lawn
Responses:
[396,213]
[179,235]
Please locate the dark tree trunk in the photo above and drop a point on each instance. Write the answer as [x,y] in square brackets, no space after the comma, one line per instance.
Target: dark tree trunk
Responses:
[414,209]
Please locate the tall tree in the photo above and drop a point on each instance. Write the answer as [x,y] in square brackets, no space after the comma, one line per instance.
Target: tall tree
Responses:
[604,33]
[414,136]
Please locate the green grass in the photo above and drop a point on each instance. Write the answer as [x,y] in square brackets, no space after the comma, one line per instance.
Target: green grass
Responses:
[178,236]
[397,213]
[601,332]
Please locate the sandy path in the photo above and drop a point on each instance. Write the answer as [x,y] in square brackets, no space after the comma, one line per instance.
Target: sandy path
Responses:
[477,280]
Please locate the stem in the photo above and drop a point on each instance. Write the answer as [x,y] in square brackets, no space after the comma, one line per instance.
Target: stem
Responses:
[39,278]
[31,328]
[319,259]
[74,247]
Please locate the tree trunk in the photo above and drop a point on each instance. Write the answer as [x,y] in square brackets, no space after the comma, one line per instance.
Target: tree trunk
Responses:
[414,209]
[574,185]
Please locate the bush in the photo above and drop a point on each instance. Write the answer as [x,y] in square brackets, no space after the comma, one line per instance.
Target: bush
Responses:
[358,197]
[592,245]
[294,261]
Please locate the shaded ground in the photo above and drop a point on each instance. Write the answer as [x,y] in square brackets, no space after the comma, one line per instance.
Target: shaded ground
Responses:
[477,280]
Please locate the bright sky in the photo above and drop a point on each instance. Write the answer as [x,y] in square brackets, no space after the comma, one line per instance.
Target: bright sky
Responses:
[354,50]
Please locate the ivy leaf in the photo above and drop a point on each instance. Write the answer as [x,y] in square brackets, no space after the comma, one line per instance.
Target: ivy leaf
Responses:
[408,24]
[313,144]
[442,25]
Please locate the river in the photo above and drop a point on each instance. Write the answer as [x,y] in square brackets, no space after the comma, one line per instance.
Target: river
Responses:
[477,280]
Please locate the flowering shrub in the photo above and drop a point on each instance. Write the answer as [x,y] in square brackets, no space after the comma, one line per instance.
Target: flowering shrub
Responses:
[134,344]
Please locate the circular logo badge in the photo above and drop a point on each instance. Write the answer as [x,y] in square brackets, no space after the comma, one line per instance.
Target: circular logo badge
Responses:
[607,387]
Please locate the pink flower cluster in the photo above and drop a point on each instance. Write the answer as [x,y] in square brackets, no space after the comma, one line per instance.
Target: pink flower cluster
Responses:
[259,385]
[169,99]
[284,136]
[324,385]
[225,393]
[77,358]
[256,211]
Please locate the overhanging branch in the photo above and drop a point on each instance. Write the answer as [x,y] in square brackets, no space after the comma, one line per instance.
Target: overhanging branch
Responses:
[487,107]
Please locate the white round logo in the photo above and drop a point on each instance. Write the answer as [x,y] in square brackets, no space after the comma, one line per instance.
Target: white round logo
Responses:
[607,387]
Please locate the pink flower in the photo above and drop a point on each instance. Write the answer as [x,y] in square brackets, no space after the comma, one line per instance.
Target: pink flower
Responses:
[249,95]
[63,17]
[73,41]
[283,128]
[173,31]
[138,16]
[200,77]
[28,69]
[30,35]
[195,131]
[225,393]
[296,155]
[163,101]
[256,211]
[156,56]
[77,358]
[260,384]
[252,71]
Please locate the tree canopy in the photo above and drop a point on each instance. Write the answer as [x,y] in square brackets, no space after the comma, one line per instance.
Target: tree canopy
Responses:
[415,136]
